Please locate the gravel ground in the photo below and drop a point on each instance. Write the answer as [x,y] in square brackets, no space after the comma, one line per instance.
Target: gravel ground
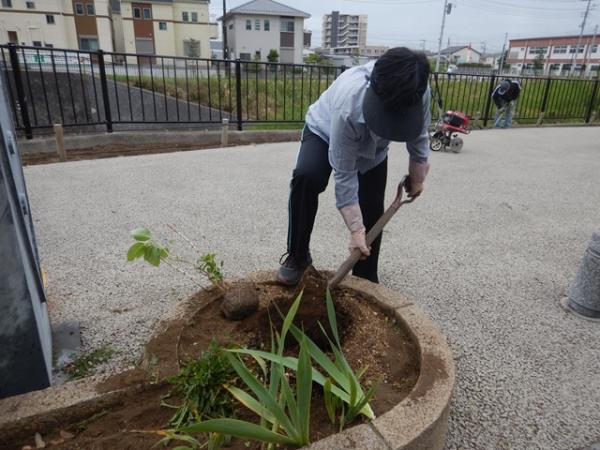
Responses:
[487,252]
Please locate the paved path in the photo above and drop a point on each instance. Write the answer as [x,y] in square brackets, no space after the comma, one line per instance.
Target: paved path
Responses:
[487,252]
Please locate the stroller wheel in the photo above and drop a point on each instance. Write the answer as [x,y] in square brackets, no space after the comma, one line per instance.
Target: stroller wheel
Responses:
[456,144]
[436,144]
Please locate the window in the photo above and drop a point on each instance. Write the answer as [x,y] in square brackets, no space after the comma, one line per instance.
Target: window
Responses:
[7,3]
[13,38]
[91,11]
[137,13]
[566,67]
[245,56]
[194,16]
[50,19]
[594,48]
[79,9]
[257,55]
[248,24]
[47,45]
[147,13]
[88,43]
[560,49]
[231,26]
[257,24]
[574,49]
[538,50]
[267,25]
[30,5]
[287,25]
[185,16]
[37,43]
[162,25]
[554,66]
[595,68]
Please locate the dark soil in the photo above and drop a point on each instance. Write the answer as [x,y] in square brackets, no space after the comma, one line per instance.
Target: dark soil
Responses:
[370,339]
[111,151]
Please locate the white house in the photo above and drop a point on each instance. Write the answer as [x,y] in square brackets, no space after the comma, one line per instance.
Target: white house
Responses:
[461,54]
[257,27]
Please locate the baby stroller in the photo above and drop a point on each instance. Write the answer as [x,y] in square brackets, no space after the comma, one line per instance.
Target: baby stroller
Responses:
[445,135]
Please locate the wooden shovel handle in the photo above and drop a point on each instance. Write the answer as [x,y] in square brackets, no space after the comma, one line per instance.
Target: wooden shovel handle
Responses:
[375,230]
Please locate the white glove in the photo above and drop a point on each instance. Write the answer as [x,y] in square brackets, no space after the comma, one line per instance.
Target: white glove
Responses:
[354,221]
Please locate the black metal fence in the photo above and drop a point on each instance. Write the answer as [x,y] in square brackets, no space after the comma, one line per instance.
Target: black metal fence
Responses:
[101,90]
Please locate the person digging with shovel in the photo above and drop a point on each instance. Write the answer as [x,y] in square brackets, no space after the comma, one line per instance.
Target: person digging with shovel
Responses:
[348,129]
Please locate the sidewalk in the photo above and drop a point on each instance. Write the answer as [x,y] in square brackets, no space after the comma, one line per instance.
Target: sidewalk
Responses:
[487,252]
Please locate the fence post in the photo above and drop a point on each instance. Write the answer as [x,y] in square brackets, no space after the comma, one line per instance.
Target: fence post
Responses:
[16,68]
[60,142]
[544,102]
[488,103]
[225,132]
[104,86]
[588,115]
[238,93]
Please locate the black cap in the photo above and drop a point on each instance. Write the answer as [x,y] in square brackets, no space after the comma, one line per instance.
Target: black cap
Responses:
[393,103]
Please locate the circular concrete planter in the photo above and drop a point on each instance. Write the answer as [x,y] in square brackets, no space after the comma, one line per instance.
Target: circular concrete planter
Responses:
[419,422]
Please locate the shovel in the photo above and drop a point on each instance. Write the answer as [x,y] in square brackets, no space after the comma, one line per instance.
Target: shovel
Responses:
[356,254]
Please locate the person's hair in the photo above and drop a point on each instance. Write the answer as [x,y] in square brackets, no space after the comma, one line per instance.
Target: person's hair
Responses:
[400,77]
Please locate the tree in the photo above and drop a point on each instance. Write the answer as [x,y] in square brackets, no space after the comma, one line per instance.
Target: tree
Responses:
[315,58]
[273,56]
[538,63]
[502,60]
[193,50]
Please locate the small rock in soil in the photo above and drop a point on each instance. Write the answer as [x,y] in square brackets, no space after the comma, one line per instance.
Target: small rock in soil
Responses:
[240,301]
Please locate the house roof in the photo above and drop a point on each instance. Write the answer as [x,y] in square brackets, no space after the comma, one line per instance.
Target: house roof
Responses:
[456,48]
[266,8]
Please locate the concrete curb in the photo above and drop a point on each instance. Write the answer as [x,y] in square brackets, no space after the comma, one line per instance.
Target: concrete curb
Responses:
[419,422]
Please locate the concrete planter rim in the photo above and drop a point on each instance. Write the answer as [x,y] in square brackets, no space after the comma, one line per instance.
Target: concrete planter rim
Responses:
[416,423]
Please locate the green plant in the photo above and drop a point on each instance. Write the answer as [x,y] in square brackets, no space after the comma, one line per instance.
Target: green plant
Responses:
[84,365]
[273,56]
[343,382]
[214,441]
[153,252]
[284,410]
[201,384]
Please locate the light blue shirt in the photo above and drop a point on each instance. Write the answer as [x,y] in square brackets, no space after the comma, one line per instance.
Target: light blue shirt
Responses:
[337,118]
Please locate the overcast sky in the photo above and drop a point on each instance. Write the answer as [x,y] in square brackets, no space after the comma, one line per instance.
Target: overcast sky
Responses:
[409,22]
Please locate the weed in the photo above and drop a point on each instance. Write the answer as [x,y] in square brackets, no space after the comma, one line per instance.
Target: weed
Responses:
[84,365]
[83,424]
[201,384]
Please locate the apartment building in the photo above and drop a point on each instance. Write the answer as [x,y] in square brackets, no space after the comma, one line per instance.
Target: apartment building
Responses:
[73,24]
[344,33]
[168,27]
[557,54]
[257,27]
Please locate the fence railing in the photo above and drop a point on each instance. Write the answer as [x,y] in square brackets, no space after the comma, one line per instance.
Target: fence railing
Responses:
[103,90]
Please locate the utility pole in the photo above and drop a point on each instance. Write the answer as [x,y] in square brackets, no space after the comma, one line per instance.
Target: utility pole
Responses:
[502,58]
[483,47]
[585,16]
[225,49]
[590,47]
[447,10]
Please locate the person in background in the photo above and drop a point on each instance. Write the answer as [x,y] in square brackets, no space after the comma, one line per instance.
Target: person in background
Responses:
[348,130]
[505,97]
